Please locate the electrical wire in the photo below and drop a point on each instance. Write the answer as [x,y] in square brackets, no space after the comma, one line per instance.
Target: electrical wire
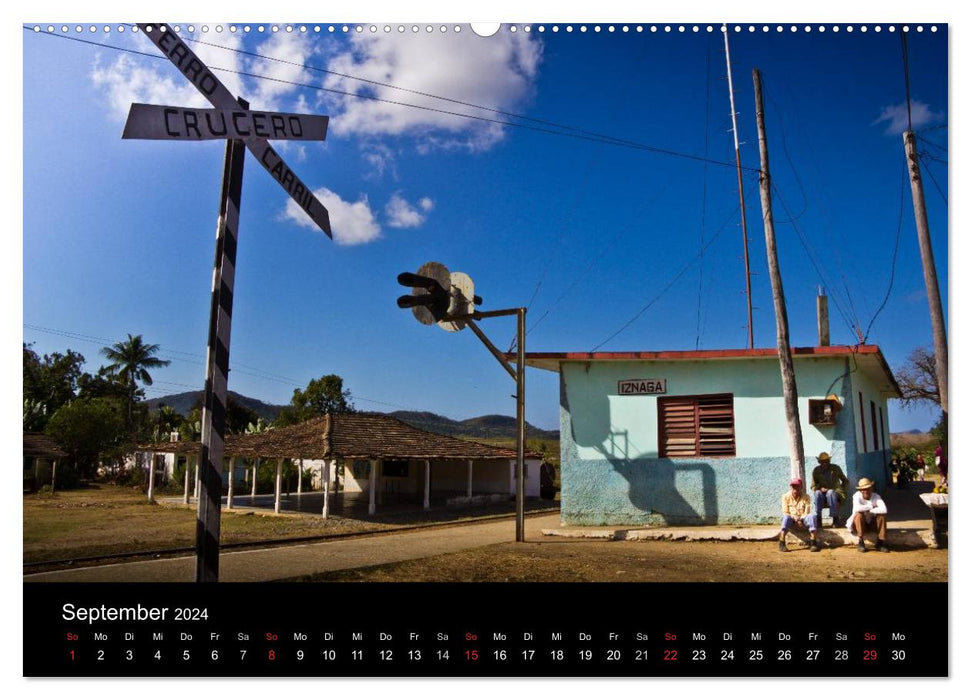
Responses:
[896,245]
[920,156]
[854,328]
[670,283]
[258,375]
[573,132]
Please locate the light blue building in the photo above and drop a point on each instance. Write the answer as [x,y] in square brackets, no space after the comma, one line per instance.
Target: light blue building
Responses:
[699,437]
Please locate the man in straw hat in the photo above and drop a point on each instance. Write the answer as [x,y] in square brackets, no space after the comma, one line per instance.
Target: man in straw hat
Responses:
[869,515]
[797,512]
[829,489]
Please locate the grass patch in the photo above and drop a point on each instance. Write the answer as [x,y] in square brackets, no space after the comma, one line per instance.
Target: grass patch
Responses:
[112,519]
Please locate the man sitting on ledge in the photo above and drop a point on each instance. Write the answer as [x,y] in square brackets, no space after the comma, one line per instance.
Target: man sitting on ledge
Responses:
[797,511]
[829,489]
[869,515]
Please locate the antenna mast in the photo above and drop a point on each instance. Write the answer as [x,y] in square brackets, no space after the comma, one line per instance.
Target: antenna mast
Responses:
[741,192]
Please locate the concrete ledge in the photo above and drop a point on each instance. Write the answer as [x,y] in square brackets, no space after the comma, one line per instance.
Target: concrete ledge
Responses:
[910,538]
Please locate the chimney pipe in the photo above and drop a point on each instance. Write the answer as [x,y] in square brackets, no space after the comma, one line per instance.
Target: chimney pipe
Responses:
[822,318]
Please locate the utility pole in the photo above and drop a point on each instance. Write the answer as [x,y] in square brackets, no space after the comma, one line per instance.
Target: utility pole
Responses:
[789,391]
[741,191]
[930,271]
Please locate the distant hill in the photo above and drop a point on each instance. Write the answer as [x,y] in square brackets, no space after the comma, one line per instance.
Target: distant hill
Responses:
[183,403]
[913,438]
[480,427]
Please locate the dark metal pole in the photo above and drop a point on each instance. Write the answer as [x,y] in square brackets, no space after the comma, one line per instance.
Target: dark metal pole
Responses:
[520,426]
[217,365]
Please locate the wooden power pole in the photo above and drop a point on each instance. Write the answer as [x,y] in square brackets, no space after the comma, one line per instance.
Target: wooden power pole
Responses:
[789,391]
[930,271]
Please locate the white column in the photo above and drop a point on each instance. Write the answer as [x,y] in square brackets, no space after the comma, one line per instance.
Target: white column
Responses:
[372,486]
[428,484]
[256,469]
[185,492]
[195,493]
[469,490]
[299,477]
[151,475]
[279,481]
[232,480]
[326,479]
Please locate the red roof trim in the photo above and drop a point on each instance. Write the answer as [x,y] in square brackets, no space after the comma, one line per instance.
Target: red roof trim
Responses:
[702,354]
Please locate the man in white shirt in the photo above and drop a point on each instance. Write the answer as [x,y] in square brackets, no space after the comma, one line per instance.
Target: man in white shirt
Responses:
[869,515]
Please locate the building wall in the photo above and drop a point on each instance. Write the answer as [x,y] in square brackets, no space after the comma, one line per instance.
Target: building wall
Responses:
[611,472]
[871,460]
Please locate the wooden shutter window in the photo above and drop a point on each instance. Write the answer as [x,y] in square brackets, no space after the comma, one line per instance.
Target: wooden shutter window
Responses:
[697,426]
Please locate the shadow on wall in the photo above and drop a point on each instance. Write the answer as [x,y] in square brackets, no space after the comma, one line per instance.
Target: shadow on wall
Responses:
[659,490]
[675,493]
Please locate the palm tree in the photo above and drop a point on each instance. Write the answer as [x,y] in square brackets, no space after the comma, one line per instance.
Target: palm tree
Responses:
[130,360]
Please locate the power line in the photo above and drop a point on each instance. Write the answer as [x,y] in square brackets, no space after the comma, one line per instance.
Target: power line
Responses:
[570,132]
[896,245]
[927,170]
[599,256]
[903,44]
[855,325]
[151,388]
[670,284]
[812,259]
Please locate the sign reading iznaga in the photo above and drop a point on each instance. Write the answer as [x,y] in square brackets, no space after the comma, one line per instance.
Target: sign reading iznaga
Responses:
[627,387]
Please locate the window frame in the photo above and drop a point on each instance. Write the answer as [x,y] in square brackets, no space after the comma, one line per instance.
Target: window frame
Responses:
[695,400]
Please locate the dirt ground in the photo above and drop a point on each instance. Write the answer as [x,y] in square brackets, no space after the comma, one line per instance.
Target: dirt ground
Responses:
[112,519]
[665,561]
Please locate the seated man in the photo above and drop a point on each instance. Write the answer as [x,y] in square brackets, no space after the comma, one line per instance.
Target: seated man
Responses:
[869,515]
[829,489]
[797,511]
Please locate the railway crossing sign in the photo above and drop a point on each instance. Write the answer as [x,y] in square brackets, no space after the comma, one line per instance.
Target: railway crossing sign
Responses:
[247,129]
[221,98]
[190,124]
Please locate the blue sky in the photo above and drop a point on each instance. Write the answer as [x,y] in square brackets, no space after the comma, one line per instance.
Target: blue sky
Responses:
[118,235]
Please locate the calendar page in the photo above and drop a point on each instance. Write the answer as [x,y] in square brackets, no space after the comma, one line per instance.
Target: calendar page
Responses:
[426,349]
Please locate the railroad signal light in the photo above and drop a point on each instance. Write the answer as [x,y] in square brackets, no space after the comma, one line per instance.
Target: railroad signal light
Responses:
[430,294]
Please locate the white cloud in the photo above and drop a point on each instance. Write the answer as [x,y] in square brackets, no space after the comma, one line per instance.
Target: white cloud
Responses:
[292,52]
[128,79]
[497,72]
[896,117]
[352,223]
[401,214]
[381,159]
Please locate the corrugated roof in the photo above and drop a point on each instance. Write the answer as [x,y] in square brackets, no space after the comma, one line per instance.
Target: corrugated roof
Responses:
[349,436]
[40,445]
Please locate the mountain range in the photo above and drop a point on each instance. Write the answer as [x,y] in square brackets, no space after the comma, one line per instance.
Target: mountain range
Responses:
[492,426]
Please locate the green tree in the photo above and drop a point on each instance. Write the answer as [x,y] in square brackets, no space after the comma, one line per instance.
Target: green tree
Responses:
[130,360]
[164,421]
[103,384]
[49,383]
[324,395]
[88,430]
